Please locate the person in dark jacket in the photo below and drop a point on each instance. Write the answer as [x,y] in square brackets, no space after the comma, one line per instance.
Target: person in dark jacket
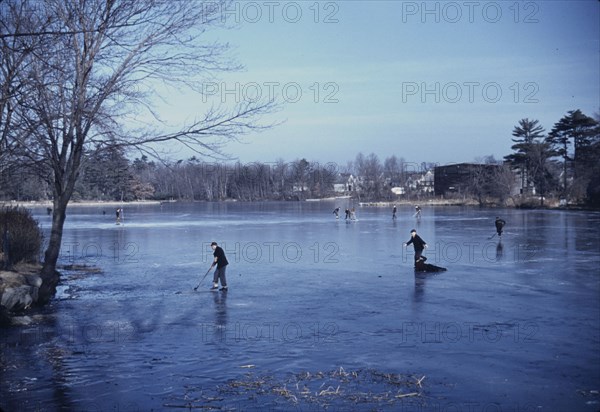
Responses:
[499,225]
[418,243]
[336,212]
[221,262]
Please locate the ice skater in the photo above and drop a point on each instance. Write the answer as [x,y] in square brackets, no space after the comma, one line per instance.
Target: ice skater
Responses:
[418,211]
[347,214]
[499,226]
[394,210]
[418,243]
[336,212]
[221,262]
[118,213]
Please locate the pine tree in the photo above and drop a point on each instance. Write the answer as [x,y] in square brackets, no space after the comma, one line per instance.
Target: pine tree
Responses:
[526,133]
[576,130]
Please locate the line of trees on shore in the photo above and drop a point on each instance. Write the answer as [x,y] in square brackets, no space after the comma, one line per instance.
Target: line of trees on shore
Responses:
[110,176]
[560,164]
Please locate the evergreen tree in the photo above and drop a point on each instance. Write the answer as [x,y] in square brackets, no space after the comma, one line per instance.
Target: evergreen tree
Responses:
[593,187]
[526,134]
[574,130]
[106,175]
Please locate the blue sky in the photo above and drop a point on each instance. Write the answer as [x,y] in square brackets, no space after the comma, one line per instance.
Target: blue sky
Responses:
[431,81]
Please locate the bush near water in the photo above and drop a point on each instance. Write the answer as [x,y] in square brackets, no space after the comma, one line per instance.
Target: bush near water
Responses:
[20,245]
[20,237]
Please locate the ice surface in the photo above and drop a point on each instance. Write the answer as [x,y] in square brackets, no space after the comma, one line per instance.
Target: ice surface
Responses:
[514,324]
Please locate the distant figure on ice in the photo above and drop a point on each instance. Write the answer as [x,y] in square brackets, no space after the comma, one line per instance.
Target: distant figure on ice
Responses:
[499,225]
[421,266]
[336,212]
[118,213]
[347,214]
[418,243]
[353,214]
[394,210]
[417,211]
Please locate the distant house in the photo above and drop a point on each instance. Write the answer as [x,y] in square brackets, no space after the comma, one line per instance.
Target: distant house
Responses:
[346,183]
[425,184]
[523,185]
[300,188]
[422,183]
[339,187]
[398,190]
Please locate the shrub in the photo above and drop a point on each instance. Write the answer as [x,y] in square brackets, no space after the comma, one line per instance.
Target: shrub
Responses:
[24,236]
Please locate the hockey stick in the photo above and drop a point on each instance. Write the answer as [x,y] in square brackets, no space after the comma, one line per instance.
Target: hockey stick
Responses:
[204,277]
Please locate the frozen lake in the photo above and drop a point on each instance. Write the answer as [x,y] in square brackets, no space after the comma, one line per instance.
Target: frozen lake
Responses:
[321,313]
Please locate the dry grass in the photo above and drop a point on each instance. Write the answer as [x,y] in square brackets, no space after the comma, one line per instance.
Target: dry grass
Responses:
[339,388]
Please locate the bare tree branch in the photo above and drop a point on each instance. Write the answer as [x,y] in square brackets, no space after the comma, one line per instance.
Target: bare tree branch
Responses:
[102,63]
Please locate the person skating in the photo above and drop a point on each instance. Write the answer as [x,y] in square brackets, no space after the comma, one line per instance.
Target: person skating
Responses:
[418,243]
[499,225]
[336,212]
[394,210]
[221,262]
[417,211]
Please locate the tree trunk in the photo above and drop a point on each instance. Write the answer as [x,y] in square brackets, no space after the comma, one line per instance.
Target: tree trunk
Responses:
[50,277]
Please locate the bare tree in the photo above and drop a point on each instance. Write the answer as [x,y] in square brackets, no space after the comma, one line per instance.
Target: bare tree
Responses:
[15,52]
[393,170]
[504,181]
[103,68]
[540,168]
[370,173]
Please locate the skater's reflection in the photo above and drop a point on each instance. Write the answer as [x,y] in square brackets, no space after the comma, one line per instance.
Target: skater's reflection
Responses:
[420,280]
[424,271]
[217,332]
[499,251]
[220,300]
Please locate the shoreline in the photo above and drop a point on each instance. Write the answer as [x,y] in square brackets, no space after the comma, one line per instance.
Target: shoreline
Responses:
[525,204]
[89,203]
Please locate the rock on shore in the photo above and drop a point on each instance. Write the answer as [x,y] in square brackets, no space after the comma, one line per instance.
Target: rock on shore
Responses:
[19,290]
